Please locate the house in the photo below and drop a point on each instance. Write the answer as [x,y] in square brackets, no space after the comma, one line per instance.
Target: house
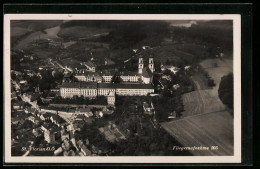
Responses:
[171,68]
[37,132]
[56,119]
[49,133]
[172,115]
[148,109]
[85,150]
[78,124]
[88,77]
[107,75]
[98,114]
[17,120]
[13,95]
[66,145]
[45,116]
[17,106]
[80,143]
[187,67]
[176,86]
[167,77]
[58,151]
[64,135]
[80,117]
[35,120]
[90,66]
[84,111]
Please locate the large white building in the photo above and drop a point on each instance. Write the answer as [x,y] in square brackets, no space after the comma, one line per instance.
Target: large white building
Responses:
[86,89]
[88,77]
[92,89]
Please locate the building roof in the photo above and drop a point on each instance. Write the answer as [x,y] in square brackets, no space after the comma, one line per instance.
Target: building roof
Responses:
[89,85]
[147,72]
[58,118]
[87,151]
[82,117]
[90,64]
[46,115]
[85,109]
[128,73]
[87,74]
[134,86]
[106,85]
[146,105]
[107,72]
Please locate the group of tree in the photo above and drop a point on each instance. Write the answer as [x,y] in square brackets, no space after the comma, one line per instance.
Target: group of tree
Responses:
[225,91]
[124,34]
[80,100]
[213,34]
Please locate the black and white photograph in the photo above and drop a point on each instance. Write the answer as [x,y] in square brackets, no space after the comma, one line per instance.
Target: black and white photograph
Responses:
[119,88]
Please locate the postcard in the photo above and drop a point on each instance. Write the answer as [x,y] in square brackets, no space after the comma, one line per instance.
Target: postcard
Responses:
[122,88]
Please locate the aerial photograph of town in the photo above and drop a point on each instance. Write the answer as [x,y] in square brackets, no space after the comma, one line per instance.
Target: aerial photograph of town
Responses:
[121,88]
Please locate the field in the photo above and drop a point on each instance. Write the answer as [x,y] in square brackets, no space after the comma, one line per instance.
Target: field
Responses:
[76,32]
[201,101]
[35,25]
[24,32]
[211,129]
[216,69]
[205,121]
[205,100]
[49,33]
[200,82]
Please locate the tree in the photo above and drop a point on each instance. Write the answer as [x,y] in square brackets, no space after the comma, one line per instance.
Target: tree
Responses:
[225,91]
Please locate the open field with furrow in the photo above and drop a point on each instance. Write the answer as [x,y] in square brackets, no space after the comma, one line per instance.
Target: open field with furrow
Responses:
[201,101]
[204,130]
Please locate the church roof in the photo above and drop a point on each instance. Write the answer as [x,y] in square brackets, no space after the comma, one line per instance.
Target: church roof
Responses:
[147,72]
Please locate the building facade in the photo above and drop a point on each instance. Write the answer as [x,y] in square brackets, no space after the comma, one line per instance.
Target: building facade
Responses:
[91,90]
[88,77]
[86,89]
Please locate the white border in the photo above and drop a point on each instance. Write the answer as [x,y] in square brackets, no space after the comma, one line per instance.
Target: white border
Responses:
[126,159]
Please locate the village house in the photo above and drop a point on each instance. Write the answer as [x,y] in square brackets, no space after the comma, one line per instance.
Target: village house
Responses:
[17,106]
[37,132]
[64,135]
[49,133]
[90,66]
[66,145]
[148,109]
[35,120]
[107,75]
[45,116]
[84,111]
[173,69]
[88,77]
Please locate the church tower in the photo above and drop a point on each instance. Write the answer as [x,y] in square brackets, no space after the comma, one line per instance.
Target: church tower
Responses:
[140,65]
[151,63]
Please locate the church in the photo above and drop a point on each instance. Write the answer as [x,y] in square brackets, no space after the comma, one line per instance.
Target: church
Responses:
[92,84]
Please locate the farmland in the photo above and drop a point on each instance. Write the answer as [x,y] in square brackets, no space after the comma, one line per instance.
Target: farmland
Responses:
[204,130]
[201,101]
[75,32]
[24,32]
[205,121]
[200,82]
[216,69]
[207,100]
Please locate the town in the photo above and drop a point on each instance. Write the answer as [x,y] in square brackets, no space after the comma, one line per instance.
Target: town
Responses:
[79,97]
